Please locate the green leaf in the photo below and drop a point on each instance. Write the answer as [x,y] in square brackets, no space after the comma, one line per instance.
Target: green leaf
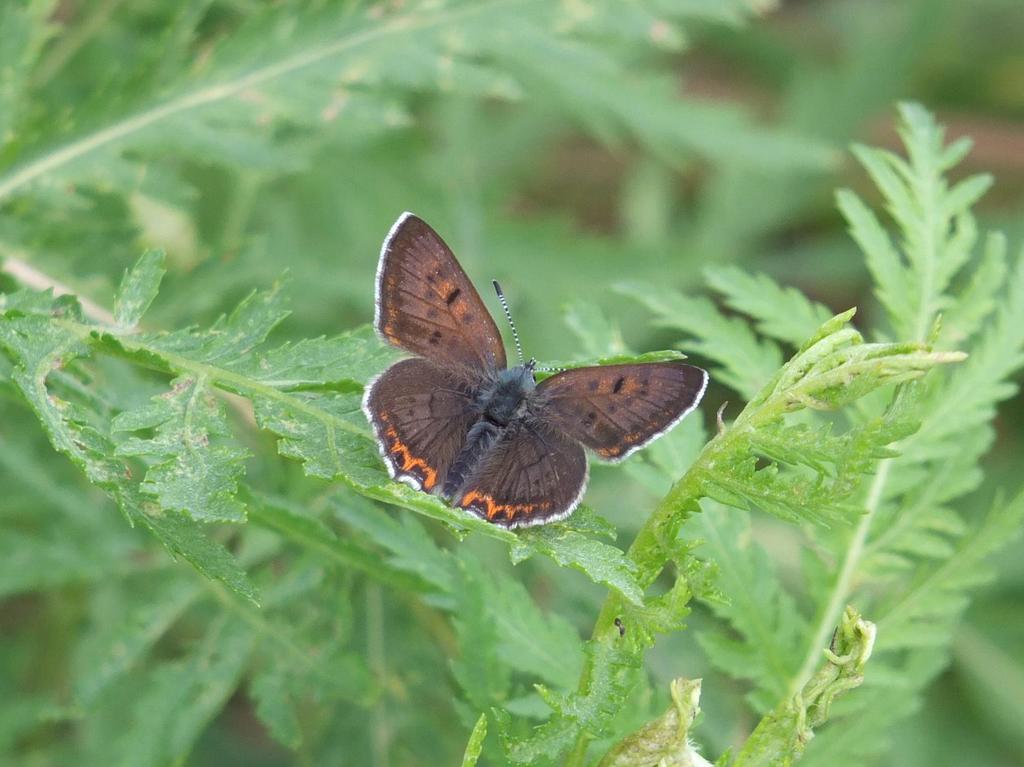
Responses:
[602,563]
[118,643]
[138,289]
[191,468]
[937,232]
[294,523]
[41,343]
[832,369]
[928,610]
[911,535]
[743,362]
[280,67]
[759,610]
[590,710]
[598,337]
[26,30]
[546,646]
[231,339]
[182,538]
[409,547]
[275,705]
[480,671]
[781,313]
[978,299]
[475,746]
[353,357]
[183,696]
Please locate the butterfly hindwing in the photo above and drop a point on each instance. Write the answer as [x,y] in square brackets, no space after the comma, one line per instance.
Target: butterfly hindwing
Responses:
[533,474]
[426,303]
[420,414]
[617,409]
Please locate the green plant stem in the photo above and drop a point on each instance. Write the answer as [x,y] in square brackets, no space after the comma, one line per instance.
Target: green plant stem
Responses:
[844,581]
[655,543]
[222,377]
[244,196]
[380,737]
[138,352]
[653,548]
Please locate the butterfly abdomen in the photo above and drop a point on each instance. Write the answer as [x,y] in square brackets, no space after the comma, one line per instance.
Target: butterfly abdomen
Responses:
[481,437]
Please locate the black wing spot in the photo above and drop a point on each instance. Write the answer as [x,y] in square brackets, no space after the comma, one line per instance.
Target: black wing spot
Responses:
[592,384]
[435,337]
[432,313]
[450,298]
[612,408]
[618,385]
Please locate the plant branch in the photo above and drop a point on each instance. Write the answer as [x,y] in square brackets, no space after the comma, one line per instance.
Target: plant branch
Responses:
[217,92]
[821,375]
[844,581]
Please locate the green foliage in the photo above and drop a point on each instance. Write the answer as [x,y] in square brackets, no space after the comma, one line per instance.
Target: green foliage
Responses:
[186,473]
[909,552]
[783,734]
[476,742]
[138,289]
[311,610]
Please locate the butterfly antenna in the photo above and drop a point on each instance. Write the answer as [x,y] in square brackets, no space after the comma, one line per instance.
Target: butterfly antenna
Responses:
[508,316]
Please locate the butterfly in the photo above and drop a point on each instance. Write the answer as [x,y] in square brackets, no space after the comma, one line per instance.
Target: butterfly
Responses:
[456,421]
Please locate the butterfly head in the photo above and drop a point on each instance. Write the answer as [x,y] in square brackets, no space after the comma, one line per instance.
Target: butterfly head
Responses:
[506,396]
[517,379]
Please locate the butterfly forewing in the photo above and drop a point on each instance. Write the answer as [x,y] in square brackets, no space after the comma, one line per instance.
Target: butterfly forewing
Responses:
[533,474]
[426,303]
[617,409]
[420,414]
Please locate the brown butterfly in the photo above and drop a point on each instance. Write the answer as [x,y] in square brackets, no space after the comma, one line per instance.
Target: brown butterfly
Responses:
[456,421]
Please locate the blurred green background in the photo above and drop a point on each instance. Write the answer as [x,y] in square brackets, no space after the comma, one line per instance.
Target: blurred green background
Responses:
[718,140]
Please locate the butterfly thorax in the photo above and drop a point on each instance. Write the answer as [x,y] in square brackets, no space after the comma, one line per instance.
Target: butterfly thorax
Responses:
[502,399]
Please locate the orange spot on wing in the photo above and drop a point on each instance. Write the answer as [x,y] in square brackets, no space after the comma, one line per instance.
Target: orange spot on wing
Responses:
[492,509]
[404,459]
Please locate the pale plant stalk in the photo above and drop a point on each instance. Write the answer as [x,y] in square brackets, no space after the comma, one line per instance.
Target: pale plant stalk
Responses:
[32,278]
[844,581]
[218,92]
[844,584]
